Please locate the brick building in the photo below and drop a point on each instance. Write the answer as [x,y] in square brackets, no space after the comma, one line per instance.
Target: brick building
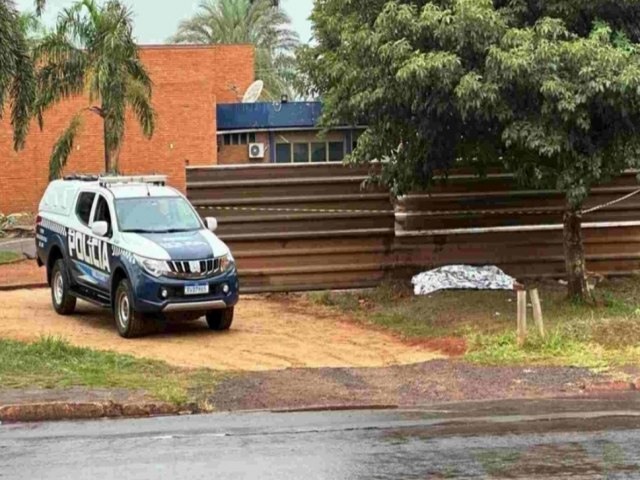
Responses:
[189,81]
[278,132]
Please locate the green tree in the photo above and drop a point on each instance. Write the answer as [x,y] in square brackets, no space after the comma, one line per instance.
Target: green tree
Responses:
[92,52]
[547,88]
[258,23]
[17,71]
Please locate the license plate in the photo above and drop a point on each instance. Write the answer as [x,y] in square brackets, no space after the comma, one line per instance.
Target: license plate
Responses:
[196,289]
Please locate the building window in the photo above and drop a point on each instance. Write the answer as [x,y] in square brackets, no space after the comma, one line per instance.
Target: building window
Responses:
[239,138]
[283,153]
[356,136]
[336,151]
[300,152]
[318,152]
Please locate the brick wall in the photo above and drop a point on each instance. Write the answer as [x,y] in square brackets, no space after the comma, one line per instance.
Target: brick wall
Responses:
[236,154]
[188,82]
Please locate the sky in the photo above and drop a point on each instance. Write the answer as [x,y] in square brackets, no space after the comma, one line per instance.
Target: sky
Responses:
[157,20]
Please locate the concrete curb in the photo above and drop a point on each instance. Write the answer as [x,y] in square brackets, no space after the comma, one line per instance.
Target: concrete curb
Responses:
[26,286]
[41,412]
[613,386]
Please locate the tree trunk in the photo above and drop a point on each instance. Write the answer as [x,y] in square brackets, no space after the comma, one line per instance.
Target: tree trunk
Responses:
[574,257]
[111,154]
[107,162]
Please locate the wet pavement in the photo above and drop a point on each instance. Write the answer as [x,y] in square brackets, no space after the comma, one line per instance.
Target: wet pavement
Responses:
[578,439]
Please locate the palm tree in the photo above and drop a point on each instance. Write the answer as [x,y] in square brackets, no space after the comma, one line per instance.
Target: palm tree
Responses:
[92,52]
[243,21]
[17,71]
[32,27]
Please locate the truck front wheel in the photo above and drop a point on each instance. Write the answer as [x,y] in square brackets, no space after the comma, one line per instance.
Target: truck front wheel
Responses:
[220,320]
[130,323]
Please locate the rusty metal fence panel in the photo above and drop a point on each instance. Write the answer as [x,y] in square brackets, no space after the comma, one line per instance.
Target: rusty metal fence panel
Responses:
[298,227]
[492,221]
[314,227]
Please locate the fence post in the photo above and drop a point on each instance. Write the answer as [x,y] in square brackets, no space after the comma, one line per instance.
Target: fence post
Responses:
[522,317]
[537,311]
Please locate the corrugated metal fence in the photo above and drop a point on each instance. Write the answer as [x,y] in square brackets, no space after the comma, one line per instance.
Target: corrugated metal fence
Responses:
[342,238]
[302,227]
[491,221]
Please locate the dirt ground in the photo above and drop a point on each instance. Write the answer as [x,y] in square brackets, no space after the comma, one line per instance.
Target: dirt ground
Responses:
[268,334]
[26,272]
[401,385]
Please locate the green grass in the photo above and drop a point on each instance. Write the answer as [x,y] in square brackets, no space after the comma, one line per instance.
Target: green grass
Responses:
[54,363]
[580,335]
[9,257]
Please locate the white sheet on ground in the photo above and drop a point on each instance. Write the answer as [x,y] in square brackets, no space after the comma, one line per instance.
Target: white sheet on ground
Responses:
[457,277]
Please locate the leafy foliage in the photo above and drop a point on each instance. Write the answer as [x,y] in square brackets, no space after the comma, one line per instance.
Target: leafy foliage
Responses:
[257,23]
[17,71]
[92,50]
[6,221]
[548,87]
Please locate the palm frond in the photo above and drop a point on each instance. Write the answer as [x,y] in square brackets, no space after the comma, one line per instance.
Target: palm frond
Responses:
[93,51]
[62,74]
[140,102]
[63,147]
[242,21]
[23,93]
[17,80]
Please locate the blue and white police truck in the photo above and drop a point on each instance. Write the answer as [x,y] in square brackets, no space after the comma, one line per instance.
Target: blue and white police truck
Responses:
[136,246]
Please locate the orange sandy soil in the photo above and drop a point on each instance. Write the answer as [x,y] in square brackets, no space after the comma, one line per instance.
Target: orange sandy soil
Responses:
[25,272]
[268,333]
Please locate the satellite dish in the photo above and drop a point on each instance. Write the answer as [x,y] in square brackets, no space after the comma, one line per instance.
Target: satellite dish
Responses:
[253,92]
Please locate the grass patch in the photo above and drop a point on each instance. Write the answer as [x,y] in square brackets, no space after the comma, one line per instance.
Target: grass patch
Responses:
[9,257]
[579,335]
[54,363]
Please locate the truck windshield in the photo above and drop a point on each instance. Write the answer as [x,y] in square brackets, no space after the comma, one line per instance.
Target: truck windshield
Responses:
[156,215]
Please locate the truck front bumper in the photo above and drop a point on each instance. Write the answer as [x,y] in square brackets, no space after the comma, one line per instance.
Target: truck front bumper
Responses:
[195,306]
[166,295]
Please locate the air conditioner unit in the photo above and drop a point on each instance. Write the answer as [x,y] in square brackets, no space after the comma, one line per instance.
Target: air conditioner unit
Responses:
[256,150]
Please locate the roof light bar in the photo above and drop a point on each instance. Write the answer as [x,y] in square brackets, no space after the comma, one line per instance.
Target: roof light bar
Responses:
[160,180]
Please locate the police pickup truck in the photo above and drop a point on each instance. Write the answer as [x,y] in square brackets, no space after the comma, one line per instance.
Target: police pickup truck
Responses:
[136,246]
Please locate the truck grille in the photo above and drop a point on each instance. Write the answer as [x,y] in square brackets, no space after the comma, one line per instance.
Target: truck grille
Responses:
[194,268]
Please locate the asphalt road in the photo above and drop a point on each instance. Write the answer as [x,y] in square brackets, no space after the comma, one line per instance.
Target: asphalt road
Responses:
[560,439]
[25,246]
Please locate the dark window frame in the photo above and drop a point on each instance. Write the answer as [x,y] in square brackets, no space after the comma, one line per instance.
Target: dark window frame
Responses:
[342,153]
[305,145]
[289,147]
[109,220]
[324,146]
[77,209]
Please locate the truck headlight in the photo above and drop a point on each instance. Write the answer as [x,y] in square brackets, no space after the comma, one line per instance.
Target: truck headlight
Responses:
[227,263]
[155,268]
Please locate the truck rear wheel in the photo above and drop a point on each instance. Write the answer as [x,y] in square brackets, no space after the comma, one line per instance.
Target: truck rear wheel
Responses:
[63,302]
[220,320]
[130,323]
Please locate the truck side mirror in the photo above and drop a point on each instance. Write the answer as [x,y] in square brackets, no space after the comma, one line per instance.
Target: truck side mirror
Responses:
[212,223]
[100,229]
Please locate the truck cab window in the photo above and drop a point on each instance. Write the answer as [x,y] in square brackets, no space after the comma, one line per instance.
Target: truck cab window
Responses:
[83,207]
[103,214]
